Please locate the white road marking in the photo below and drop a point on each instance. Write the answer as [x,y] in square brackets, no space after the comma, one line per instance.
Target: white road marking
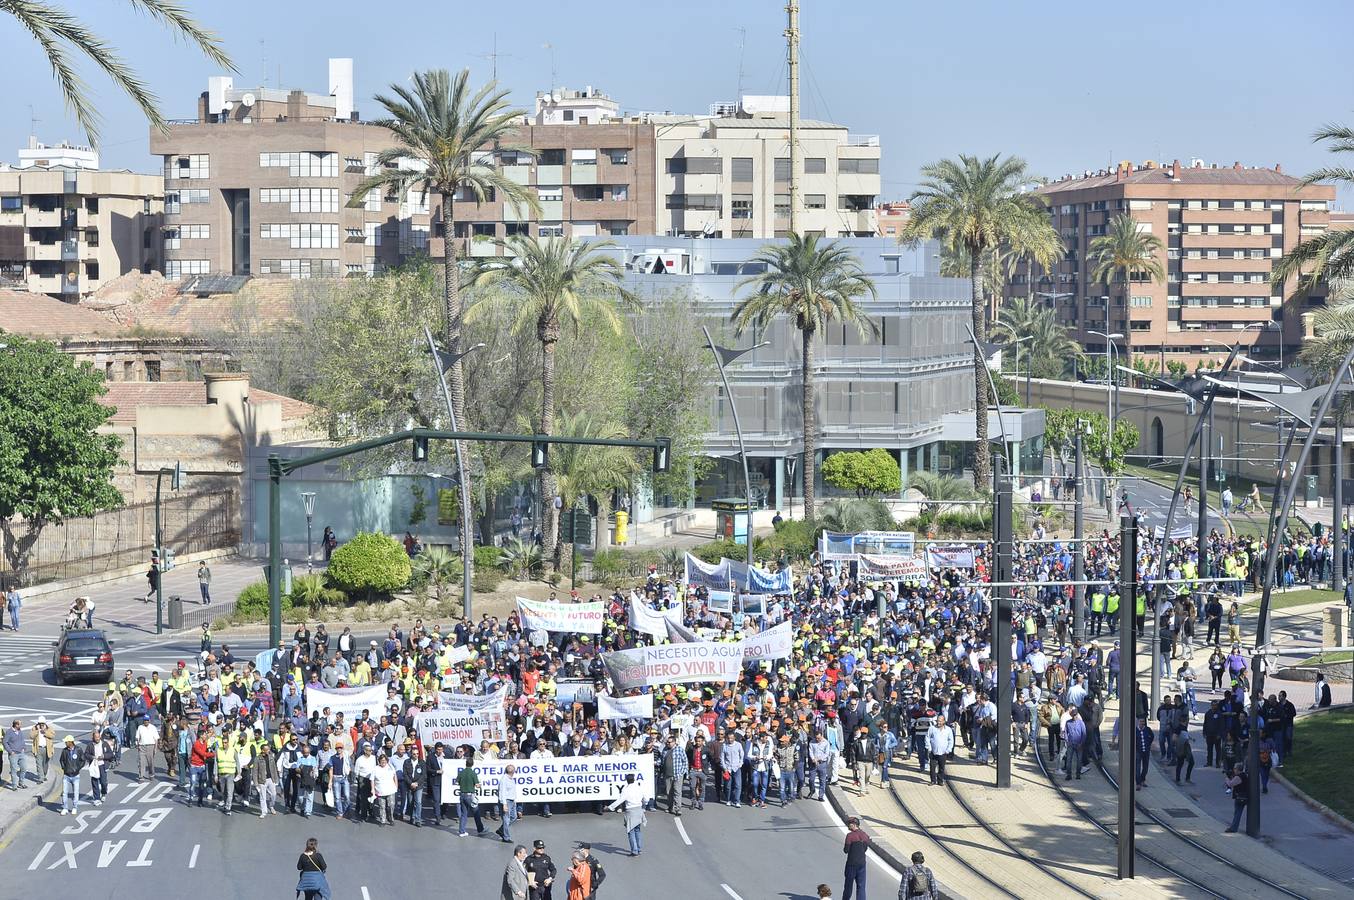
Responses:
[870,854]
[192,860]
[681,829]
[731,892]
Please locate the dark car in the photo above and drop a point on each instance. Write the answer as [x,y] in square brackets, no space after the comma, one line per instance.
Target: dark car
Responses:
[82,653]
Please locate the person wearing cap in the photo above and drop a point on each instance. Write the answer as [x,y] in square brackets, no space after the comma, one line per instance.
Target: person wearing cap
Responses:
[71,761]
[42,737]
[540,871]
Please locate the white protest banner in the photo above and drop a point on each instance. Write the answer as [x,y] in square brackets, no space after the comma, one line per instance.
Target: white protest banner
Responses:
[647,620]
[542,615]
[562,779]
[703,574]
[681,722]
[482,711]
[453,728]
[774,643]
[893,568]
[674,664]
[349,701]
[640,707]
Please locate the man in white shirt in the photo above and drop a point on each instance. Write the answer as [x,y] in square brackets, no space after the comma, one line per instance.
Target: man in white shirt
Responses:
[940,744]
[508,794]
[631,803]
[542,751]
[364,768]
[384,784]
[146,737]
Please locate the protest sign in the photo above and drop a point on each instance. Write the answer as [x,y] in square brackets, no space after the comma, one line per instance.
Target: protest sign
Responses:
[681,721]
[674,664]
[949,557]
[640,707]
[349,701]
[454,727]
[561,779]
[483,711]
[647,620]
[574,690]
[703,574]
[892,568]
[774,643]
[721,601]
[542,615]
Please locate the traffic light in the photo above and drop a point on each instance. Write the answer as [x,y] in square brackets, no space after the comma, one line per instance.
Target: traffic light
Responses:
[540,454]
[420,449]
[661,455]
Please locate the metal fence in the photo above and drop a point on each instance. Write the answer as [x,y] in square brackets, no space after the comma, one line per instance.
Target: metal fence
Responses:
[120,538]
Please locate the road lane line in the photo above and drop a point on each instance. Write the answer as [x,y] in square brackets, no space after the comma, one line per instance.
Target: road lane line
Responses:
[192,860]
[365,895]
[731,892]
[681,829]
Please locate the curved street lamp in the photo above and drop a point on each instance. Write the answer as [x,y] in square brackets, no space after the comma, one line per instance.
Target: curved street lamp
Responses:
[724,356]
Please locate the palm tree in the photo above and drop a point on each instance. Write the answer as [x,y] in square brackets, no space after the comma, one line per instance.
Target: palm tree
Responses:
[1332,331]
[1125,251]
[814,283]
[1330,255]
[996,268]
[58,32]
[441,125]
[585,471]
[549,282]
[852,515]
[977,205]
[1048,347]
[940,489]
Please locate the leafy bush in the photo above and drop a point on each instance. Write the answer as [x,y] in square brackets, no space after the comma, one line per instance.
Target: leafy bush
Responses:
[487,557]
[852,516]
[794,539]
[252,603]
[486,580]
[310,592]
[867,473]
[607,565]
[965,521]
[939,489]
[520,559]
[372,563]
[714,551]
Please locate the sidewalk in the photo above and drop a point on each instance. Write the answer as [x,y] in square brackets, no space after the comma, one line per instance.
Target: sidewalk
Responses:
[17,806]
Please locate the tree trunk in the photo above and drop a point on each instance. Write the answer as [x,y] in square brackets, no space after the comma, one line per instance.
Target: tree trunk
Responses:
[452,321]
[982,451]
[547,331]
[810,426]
[602,541]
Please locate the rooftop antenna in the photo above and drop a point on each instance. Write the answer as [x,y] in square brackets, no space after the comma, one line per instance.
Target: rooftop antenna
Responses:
[742,42]
[551,47]
[33,121]
[493,56]
[263,60]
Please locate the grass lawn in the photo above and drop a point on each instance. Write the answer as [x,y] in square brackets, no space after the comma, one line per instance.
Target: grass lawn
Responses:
[1322,768]
[1340,656]
[1281,599]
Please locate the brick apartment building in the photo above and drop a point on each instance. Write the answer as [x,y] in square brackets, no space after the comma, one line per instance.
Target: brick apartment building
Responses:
[1221,229]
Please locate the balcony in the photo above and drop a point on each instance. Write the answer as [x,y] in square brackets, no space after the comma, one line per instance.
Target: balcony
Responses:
[1223,289]
[1226,216]
[582,174]
[1226,263]
[42,218]
[1223,240]
[517,174]
[482,247]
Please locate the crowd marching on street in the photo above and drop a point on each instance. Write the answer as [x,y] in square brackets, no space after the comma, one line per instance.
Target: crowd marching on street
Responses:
[876,673]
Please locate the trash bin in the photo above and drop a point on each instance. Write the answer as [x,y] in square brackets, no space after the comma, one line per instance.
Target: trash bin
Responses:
[175,613]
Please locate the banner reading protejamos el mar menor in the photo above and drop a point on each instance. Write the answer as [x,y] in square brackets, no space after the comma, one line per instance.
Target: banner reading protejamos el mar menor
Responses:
[562,779]
[673,664]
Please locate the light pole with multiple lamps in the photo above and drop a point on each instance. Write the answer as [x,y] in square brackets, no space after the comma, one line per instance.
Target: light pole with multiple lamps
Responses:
[443,361]
[308,498]
[724,356]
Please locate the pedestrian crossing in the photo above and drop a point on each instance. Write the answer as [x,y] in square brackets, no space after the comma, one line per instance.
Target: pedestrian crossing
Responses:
[20,651]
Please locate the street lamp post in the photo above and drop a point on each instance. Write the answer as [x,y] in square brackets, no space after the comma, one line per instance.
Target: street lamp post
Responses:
[443,362]
[308,498]
[1111,387]
[724,356]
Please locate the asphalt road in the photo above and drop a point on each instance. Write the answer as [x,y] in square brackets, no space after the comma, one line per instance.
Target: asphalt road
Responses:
[1152,501]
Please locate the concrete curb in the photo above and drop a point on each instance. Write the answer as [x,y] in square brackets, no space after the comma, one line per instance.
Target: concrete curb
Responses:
[54,587]
[13,820]
[1326,812]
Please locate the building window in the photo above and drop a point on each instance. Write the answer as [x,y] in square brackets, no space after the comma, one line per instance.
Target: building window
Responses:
[551,157]
[152,370]
[619,156]
[303,235]
[815,201]
[855,202]
[372,234]
[311,200]
[693,201]
[300,268]
[617,229]
[180,268]
[588,192]
[568,115]
[303,164]
[1141,301]
[858,166]
[620,192]
[11,204]
[551,229]
[171,241]
[373,201]
[517,229]
[781,170]
[192,166]
[742,170]
[815,165]
[696,165]
[741,207]
[584,157]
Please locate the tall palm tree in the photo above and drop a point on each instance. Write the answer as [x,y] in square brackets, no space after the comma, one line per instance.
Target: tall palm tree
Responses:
[1125,251]
[58,33]
[551,282]
[977,205]
[815,284]
[591,471]
[442,125]
[1047,346]
[1330,255]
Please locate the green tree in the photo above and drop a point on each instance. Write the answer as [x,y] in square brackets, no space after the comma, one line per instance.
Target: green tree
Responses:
[1328,256]
[1060,426]
[551,282]
[584,471]
[58,33]
[371,563]
[977,204]
[444,124]
[867,473]
[815,284]
[54,465]
[1125,253]
[940,490]
[1048,347]
[851,516]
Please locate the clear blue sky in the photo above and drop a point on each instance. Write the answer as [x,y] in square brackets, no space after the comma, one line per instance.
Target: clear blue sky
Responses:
[1067,85]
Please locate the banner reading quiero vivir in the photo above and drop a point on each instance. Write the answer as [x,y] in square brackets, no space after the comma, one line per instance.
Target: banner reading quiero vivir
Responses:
[562,779]
[349,701]
[673,664]
[640,707]
[542,615]
[774,643]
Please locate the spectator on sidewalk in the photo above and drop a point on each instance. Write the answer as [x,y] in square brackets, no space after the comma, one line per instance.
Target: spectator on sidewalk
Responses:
[19,750]
[918,882]
[855,845]
[43,738]
[204,582]
[14,603]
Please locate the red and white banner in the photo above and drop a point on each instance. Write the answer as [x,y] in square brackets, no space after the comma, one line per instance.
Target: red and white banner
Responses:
[578,618]
[774,643]
[674,664]
[894,568]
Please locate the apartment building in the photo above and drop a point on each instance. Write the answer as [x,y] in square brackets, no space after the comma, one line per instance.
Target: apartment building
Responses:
[892,218]
[728,174]
[259,183]
[67,226]
[1221,227]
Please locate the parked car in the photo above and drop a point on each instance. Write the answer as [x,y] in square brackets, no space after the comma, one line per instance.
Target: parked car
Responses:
[82,653]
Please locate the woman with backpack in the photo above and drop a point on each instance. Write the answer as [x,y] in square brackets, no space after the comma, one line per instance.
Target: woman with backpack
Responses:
[313,883]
